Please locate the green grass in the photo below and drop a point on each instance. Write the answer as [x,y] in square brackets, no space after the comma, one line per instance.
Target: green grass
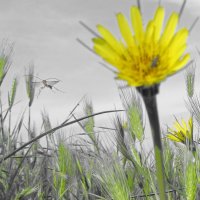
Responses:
[83,168]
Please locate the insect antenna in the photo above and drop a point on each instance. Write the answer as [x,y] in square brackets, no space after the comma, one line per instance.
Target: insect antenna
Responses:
[58,89]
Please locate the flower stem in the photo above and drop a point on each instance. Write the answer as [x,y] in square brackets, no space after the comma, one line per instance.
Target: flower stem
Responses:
[151,107]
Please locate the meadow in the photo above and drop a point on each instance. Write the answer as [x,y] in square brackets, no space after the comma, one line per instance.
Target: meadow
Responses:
[64,168]
[86,169]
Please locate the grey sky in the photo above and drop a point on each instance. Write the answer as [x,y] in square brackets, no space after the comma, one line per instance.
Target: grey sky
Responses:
[45,32]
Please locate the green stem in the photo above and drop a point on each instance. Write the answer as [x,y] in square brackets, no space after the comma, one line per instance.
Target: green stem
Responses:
[151,106]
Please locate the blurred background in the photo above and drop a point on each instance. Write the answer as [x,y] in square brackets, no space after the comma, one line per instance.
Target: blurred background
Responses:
[44,33]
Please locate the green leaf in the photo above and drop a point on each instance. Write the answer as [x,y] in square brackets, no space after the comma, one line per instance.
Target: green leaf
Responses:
[26,192]
[2,65]
[135,122]
[11,97]
[30,87]
[191,181]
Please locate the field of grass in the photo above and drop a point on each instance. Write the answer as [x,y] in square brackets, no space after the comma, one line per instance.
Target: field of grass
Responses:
[56,164]
[62,168]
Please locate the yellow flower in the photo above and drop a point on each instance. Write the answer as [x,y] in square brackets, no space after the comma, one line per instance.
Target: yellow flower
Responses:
[149,55]
[183,132]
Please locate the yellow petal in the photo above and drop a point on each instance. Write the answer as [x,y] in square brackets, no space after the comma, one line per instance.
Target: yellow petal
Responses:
[149,32]
[184,124]
[175,54]
[177,126]
[158,22]
[101,43]
[125,30]
[169,29]
[181,63]
[178,40]
[103,49]
[110,39]
[136,20]
[190,122]
[173,138]
[129,79]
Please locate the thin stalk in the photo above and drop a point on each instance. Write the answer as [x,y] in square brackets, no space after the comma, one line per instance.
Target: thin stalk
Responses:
[9,130]
[53,130]
[1,120]
[29,122]
[151,107]
[153,194]
[9,126]
[12,180]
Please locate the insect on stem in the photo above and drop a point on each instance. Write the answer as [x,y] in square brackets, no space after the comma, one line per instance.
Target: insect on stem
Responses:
[155,61]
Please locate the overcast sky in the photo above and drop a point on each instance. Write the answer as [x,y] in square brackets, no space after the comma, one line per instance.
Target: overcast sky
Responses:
[45,32]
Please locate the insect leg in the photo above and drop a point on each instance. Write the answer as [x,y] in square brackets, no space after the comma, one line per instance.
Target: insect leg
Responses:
[40,90]
[58,89]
